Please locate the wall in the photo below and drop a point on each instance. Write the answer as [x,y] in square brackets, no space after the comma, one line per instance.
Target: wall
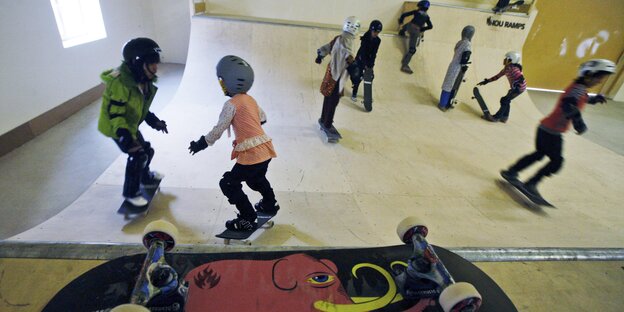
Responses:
[38,74]
[563,36]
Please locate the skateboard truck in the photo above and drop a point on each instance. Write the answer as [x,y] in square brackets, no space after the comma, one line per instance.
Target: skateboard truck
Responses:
[427,277]
[157,286]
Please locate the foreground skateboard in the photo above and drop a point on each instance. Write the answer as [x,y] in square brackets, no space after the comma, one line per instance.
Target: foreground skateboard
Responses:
[264,220]
[337,279]
[482,105]
[368,89]
[526,196]
[130,211]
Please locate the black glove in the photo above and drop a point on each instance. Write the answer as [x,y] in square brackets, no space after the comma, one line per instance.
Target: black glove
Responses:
[198,145]
[125,138]
[599,98]
[579,125]
[484,82]
[154,122]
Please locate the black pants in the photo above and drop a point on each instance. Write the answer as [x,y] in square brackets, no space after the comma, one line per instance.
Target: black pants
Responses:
[255,177]
[546,144]
[505,104]
[137,165]
[329,107]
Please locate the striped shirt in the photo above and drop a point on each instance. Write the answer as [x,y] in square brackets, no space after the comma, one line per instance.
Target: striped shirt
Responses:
[557,121]
[514,75]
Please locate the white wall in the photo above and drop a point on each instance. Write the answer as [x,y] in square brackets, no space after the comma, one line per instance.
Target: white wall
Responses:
[38,74]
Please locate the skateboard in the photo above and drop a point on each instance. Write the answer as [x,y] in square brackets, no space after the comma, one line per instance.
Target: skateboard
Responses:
[527,197]
[368,89]
[456,85]
[130,211]
[503,6]
[484,108]
[332,279]
[157,286]
[264,221]
[331,137]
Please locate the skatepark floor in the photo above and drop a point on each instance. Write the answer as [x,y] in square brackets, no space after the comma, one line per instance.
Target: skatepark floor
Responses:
[56,168]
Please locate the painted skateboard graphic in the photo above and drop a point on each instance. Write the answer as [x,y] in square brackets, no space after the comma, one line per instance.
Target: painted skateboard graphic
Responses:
[521,192]
[130,211]
[482,105]
[264,221]
[368,89]
[504,5]
[331,137]
[337,279]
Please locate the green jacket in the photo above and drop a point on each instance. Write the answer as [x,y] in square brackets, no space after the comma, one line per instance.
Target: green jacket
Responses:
[123,104]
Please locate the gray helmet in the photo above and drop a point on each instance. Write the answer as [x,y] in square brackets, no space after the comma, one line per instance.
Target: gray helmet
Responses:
[235,74]
[468,32]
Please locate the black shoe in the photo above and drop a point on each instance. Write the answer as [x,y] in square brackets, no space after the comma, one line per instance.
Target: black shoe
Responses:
[402,33]
[489,117]
[240,224]
[152,179]
[509,175]
[267,209]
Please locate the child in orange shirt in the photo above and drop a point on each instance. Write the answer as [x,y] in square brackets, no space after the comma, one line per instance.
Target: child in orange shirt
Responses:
[253,149]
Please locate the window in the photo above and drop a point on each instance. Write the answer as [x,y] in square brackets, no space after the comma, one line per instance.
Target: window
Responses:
[78,21]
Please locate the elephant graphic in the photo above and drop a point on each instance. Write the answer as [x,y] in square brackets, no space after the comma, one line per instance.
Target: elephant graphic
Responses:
[296,282]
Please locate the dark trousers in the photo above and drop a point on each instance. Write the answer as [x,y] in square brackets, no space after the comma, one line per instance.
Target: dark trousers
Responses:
[329,107]
[505,104]
[137,165]
[255,177]
[414,41]
[546,144]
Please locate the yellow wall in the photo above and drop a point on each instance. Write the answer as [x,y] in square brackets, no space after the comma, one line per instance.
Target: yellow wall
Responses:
[566,33]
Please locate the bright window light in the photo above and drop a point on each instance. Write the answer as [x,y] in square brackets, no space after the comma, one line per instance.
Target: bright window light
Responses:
[78,21]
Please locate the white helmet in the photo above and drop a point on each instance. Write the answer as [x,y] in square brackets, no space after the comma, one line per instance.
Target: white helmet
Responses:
[351,25]
[513,56]
[594,66]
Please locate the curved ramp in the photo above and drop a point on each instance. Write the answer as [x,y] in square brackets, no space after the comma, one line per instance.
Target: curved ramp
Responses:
[404,158]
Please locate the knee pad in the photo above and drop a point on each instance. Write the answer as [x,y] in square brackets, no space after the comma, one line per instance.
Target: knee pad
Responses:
[505,100]
[225,181]
[412,50]
[137,160]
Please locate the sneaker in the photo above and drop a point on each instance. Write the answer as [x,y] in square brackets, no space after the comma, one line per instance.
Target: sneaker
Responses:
[334,131]
[137,201]
[271,209]
[503,120]
[402,33]
[354,98]
[406,69]
[153,179]
[489,117]
[240,224]
[509,175]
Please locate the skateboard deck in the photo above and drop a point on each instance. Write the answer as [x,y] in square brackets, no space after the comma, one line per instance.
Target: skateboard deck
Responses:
[368,89]
[482,105]
[456,85]
[518,187]
[129,211]
[264,220]
[296,280]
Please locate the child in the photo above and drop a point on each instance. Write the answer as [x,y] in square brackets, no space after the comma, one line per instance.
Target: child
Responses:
[368,52]
[341,50]
[549,141]
[419,24]
[253,149]
[125,105]
[513,71]
[463,49]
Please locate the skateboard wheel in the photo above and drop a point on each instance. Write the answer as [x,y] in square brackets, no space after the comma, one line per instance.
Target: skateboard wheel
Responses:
[162,230]
[459,296]
[130,308]
[406,228]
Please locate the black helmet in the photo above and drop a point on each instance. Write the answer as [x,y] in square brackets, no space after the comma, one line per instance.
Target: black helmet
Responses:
[424,4]
[139,51]
[375,26]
